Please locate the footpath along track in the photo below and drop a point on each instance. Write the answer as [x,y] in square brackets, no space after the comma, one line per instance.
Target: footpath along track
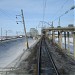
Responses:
[46,65]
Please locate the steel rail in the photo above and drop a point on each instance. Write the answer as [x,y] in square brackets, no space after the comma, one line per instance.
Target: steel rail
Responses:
[48,53]
[52,61]
[39,59]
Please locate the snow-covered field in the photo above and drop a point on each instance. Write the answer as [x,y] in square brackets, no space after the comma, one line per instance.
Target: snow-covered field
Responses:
[10,50]
[63,43]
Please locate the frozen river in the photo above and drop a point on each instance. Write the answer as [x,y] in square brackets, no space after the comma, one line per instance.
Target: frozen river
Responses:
[10,50]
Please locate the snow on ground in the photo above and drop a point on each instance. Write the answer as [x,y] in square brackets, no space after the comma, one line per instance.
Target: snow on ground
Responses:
[63,43]
[10,50]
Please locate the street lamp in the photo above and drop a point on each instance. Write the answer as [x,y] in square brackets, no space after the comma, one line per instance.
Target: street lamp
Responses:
[23,25]
[7,31]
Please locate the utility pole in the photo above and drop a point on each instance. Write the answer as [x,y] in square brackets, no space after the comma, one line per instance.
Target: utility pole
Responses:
[52,34]
[6,34]
[23,25]
[59,21]
[24,28]
[16,33]
[1,33]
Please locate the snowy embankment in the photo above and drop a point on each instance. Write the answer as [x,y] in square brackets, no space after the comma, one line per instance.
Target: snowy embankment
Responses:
[10,50]
[63,43]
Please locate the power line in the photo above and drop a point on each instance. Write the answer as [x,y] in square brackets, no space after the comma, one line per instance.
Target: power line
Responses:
[72,8]
[4,12]
[44,8]
[61,7]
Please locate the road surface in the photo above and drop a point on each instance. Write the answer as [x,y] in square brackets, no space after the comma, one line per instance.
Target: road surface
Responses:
[10,50]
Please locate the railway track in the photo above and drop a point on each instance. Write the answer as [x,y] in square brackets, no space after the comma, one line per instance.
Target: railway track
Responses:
[46,65]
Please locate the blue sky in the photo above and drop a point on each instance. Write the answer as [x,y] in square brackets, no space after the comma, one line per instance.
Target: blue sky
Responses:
[33,13]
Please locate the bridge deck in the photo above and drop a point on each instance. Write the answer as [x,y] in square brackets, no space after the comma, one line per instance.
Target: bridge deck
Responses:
[59,29]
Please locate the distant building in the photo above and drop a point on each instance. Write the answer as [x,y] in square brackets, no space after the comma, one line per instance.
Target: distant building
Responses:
[28,34]
[33,32]
[70,25]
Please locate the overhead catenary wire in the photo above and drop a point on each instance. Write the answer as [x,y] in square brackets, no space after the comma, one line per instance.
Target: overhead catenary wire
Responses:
[44,9]
[73,7]
[62,6]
